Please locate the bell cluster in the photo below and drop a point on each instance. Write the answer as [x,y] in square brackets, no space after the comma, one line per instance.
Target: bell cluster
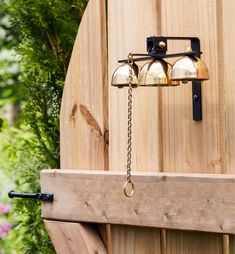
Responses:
[160,73]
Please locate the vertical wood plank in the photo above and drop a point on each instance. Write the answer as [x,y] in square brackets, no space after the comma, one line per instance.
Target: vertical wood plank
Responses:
[84,114]
[84,110]
[178,142]
[226,244]
[227,10]
[232,244]
[133,240]
[202,144]
[129,23]
[228,83]
[189,145]
[193,243]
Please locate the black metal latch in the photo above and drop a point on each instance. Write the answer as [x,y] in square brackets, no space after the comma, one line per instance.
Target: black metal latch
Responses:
[39,196]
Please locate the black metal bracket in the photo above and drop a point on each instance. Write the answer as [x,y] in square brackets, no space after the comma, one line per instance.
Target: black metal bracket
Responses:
[197,100]
[46,197]
[154,48]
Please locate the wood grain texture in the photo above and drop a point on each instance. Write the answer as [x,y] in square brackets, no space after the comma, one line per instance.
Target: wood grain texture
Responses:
[191,146]
[227,10]
[73,238]
[84,110]
[163,246]
[129,23]
[226,244]
[135,240]
[165,137]
[232,244]
[129,35]
[84,117]
[173,142]
[177,143]
[202,145]
[177,201]
[186,242]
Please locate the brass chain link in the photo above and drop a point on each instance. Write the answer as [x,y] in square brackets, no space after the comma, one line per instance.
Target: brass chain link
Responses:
[129,132]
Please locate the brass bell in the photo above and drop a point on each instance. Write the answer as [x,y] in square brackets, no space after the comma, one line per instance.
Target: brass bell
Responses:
[121,76]
[189,68]
[156,73]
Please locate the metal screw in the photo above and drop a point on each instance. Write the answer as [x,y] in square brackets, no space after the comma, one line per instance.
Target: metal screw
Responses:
[195,97]
[162,44]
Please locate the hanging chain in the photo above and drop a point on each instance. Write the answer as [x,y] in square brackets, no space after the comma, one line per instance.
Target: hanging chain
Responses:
[129,184]
[129,121]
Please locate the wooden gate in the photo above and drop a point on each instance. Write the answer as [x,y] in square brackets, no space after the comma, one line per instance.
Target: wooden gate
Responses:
[165,138]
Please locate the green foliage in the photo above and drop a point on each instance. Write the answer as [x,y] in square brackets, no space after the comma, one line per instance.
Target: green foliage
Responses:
[45,32]
[22,162]
[10,91]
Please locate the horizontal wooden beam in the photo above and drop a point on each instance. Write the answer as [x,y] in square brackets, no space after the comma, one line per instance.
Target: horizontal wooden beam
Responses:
[201,202]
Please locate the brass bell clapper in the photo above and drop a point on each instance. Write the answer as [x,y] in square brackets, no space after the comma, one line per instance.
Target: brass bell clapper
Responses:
[158,72]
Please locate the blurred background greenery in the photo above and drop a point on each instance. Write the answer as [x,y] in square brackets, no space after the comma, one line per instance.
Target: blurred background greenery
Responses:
[36,41]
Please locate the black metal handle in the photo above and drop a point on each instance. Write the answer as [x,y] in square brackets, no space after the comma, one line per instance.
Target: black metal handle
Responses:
[40,196]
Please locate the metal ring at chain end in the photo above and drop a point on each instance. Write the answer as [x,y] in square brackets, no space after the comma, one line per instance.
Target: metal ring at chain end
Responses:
[129,194]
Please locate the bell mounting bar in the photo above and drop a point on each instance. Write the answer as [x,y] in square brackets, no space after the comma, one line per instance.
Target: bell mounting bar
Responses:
[160,56]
